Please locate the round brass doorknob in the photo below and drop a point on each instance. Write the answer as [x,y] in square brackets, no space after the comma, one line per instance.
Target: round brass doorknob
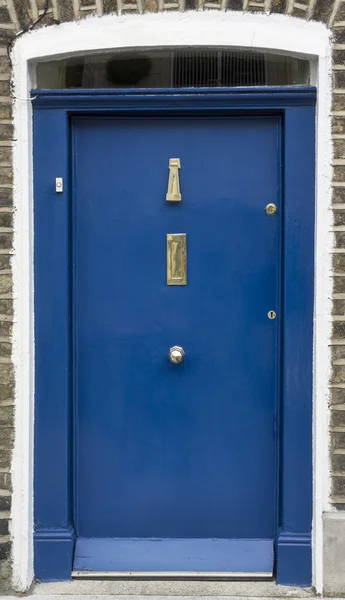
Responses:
[176,354]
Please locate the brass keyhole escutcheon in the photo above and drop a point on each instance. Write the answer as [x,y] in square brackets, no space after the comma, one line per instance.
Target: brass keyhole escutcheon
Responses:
[271,314]
[271,209]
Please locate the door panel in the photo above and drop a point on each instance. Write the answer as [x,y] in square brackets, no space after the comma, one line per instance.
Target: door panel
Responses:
[175,451]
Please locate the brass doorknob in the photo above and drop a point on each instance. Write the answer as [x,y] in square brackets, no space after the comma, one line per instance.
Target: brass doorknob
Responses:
[271,209]
[176,354]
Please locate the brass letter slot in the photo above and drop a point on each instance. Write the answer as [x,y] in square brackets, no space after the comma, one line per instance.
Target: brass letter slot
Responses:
[176,259]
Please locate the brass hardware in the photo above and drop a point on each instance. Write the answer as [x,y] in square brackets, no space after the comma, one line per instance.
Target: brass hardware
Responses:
[176,354]
[176,259]
[173,194]
[271,209]
[271,314]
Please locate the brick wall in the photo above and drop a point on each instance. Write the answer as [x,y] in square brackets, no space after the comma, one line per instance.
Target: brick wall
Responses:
[16,15]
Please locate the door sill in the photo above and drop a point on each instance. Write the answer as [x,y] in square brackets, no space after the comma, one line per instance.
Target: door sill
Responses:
[172,575]
[174,558]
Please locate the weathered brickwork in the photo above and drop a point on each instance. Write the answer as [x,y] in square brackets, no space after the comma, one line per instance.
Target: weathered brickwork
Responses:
[17,15]
[336,16]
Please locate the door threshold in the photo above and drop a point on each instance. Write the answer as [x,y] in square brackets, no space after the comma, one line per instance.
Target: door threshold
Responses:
[173,575]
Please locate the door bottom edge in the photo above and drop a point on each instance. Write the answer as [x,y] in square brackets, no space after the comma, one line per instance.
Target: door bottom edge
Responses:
[174,575]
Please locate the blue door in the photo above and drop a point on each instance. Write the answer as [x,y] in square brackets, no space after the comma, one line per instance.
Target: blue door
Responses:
[176,463]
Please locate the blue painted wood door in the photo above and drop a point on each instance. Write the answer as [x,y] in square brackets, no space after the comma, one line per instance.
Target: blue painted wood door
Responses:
[175,465]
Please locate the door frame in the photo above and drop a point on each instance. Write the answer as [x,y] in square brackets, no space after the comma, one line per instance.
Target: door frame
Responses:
[54,536]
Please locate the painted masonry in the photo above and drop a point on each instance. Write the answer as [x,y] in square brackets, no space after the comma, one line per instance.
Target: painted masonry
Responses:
[18,15]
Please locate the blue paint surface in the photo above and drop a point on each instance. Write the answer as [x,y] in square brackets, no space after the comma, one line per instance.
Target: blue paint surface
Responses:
[162,450]
[294,559]
[55,515]
[174,555]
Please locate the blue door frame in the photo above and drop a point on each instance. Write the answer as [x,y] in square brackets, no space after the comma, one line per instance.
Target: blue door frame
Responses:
[53,455]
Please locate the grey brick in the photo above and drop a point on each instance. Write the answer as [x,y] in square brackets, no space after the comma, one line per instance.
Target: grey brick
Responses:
[66,12]
[338,418]
[6,417]
[152,5]
[322,10]
[5,90]
[339,173]
[5,550]
[4,65]
[338,57]
[6,374]
[6,392]
[337,396]
[6,131]
[255,8]
[339,307]
[5,503]
[338,440]
[5,575]
[6,197]
[6,241]
[338,125]
[338,486]
[338,33]
[5,110]
[338,352]
[6,175]
[338,374]
[237,4]
[6,481]
[4,529]
[339,285]
[338,195]
[340,14]
[110,6]
[6,437]
[6,219]
[339,79]
[299,13]
[47,20]
[338,463]
[189,5]
[339,330]
[5,349]
[4,15]
[6,306]
[5,329]
[5,284]
[5,153]
[6,35]
[5,262]
[339,217]
[339,237]
[339,145]
[23,13]
[89,13]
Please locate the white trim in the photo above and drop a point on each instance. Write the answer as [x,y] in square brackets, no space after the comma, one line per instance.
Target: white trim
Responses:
[322,312]
[205,28]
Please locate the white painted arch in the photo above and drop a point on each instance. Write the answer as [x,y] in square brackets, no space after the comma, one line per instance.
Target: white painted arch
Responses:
[205,28]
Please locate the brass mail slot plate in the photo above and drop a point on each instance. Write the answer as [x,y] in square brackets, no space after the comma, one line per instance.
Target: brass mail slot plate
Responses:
[176,259]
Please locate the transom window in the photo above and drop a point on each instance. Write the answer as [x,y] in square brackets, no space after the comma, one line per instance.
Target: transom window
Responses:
[179,68]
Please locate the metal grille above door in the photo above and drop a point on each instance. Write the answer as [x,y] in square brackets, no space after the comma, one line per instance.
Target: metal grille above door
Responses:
[218,69]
